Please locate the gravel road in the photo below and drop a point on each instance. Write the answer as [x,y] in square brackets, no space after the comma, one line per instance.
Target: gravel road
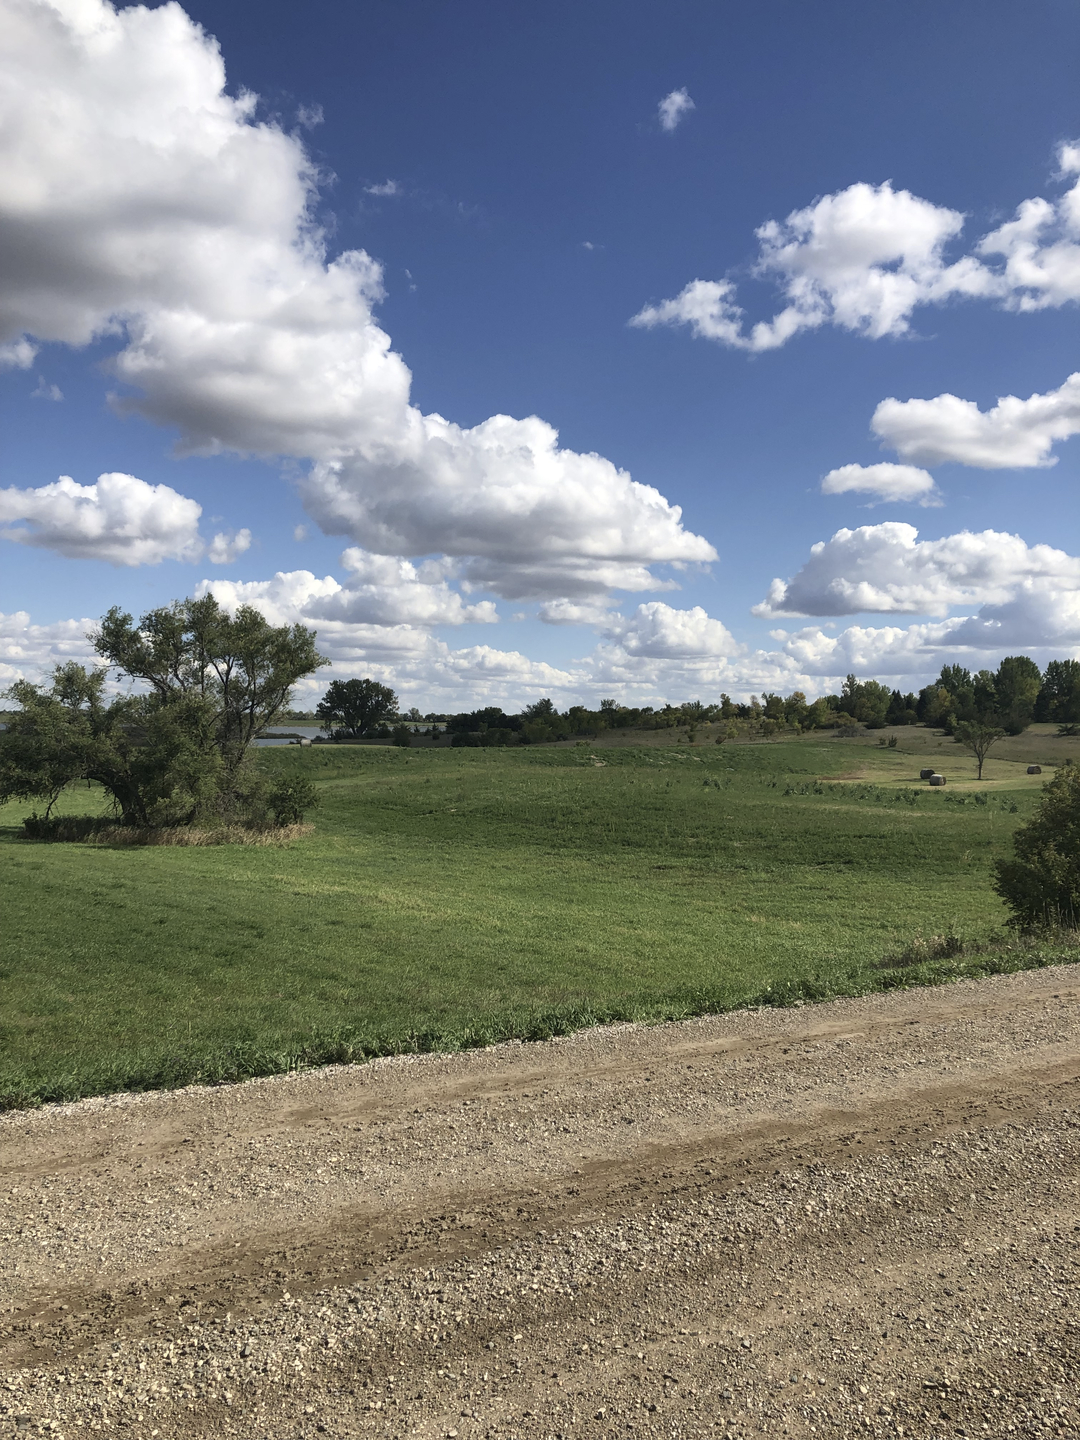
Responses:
[858,1218]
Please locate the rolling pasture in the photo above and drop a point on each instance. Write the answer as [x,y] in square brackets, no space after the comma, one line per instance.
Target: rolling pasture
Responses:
[452,897]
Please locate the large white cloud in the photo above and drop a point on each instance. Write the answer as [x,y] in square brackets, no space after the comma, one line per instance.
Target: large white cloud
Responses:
[385,590]
[1040,620]
[865,258]
[138,197]
[887,569]
[397,647]
[1014,433]
[382,591]
[660,632]
[862,259]
[531,520]
[119,518]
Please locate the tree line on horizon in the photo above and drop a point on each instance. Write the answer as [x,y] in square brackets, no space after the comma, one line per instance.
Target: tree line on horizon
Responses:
[1006,700]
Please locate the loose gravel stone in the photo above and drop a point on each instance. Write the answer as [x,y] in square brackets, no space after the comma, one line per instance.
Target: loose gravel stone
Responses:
[852,1219]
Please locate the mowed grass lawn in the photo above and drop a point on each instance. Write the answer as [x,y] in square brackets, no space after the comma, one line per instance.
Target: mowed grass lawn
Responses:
[448,897]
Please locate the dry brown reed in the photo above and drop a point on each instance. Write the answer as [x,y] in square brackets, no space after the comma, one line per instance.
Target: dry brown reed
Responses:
[276,835]
[87,830]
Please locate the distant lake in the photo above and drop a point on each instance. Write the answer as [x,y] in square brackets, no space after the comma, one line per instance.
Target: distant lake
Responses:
[275,735]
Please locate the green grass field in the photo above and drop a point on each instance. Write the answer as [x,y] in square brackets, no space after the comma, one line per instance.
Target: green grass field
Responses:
[449,897]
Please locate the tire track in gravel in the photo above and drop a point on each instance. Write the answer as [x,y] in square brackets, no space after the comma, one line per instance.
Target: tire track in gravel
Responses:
[369,1243]
[139,1229]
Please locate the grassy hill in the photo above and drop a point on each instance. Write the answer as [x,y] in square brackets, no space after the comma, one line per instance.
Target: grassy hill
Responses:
[449,897]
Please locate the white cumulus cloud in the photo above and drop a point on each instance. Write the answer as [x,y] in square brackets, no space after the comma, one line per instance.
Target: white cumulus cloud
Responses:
[527,518]
[388,590]
[381,590]
[1040,620]
[1014,433]
[138,198]
[661,653]
[887,569]
[119,518]
[225,548]
[884,481]
[866,257]
[656,631]
[576,612]
[707,306]
[397,646]
[862,259]
[674,107]
[17,354]
[1041,245]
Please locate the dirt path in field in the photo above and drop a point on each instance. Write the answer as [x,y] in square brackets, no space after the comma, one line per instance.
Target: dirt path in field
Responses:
[859,1218]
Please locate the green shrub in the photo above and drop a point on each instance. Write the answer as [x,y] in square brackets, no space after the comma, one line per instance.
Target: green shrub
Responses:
[1041,885]
[290,798]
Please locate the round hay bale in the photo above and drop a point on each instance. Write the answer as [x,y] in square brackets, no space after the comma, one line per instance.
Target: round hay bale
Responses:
[937,779]
[925,774]
[1034,770]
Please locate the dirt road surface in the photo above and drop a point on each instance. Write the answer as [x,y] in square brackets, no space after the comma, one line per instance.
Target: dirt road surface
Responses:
[859,1218]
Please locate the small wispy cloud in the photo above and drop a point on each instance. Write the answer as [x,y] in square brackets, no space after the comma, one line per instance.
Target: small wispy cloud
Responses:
[308,116]
[588,245]
[224,548]
[45,391]
[673,107]
[19,355]
[386,189]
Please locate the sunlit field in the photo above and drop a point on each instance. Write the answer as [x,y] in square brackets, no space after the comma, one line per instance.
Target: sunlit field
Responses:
[451,897]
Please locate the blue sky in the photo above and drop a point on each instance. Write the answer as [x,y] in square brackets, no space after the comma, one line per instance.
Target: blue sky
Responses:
[511,197]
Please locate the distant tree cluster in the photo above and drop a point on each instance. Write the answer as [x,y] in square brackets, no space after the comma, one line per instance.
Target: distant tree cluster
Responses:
[968,706]
[352,709]
[1011,697]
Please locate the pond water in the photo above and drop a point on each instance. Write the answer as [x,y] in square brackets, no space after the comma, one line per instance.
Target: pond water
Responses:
[278,735]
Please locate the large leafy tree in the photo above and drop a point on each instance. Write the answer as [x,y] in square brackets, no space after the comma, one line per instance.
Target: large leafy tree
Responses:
[1059,698]
[866,701]
[240,666]
[158,762]
[1016,689]
[1041,884]
[352,708]
[178,748]
[1003,699]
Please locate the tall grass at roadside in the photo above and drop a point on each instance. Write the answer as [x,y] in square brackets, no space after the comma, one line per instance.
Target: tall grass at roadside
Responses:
[103,830]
